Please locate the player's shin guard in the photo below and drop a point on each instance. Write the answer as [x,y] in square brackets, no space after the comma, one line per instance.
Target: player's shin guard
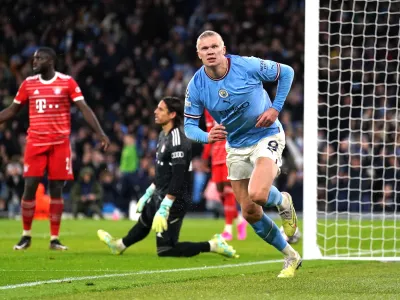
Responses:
[269,232]
[274,197]
[27,211]
[56,210]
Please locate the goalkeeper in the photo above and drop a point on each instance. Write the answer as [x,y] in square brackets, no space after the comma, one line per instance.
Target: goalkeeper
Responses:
[164,204]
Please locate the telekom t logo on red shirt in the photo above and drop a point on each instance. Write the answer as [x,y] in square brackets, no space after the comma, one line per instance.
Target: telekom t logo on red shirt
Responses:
[40,105]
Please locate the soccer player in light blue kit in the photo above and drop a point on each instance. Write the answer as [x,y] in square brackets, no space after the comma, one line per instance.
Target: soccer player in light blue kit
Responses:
[230,88]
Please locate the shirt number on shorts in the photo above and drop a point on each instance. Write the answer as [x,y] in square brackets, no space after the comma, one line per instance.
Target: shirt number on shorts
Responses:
[273,146]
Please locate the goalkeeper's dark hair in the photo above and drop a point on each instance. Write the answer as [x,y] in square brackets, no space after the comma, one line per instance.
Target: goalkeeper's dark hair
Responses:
[50,52]
[174,104]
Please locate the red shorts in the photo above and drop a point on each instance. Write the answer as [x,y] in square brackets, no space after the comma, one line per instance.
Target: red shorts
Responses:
[56,158]
[219,173]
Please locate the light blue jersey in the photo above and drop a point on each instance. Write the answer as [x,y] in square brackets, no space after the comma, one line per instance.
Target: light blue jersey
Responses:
[237,99]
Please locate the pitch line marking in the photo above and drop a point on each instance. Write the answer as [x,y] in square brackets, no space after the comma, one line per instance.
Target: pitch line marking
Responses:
[145,272]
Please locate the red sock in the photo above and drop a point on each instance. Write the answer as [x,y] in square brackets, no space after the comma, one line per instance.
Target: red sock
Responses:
[230,208]
[56,210]
[28,211]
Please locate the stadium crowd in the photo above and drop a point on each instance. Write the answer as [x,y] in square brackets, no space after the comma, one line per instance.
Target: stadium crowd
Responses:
[126,55]
[359,143]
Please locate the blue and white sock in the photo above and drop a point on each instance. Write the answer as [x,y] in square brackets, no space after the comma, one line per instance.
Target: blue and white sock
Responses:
[274,197]
[269,232]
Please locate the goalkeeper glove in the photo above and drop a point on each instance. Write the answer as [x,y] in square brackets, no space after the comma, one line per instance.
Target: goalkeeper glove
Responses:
[145,198]
[160,219]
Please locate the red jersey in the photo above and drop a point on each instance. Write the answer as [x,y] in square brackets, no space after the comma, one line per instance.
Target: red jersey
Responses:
[49,107]
[216,150]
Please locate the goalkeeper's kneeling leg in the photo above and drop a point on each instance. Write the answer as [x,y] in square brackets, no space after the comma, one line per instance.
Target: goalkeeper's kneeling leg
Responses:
[168,245]
[184,249]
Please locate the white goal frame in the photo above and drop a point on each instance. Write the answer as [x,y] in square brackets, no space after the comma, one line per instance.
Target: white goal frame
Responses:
[311,250]
[310,151]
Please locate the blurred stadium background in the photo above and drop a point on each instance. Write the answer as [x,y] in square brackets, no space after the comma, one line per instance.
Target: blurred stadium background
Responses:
[126,55]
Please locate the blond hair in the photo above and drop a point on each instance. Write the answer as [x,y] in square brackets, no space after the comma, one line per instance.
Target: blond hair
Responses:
[209,33]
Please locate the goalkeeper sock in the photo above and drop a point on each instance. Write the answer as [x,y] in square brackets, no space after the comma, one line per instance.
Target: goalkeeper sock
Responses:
[269,232]
[185,249]
[136,234]
[274,197]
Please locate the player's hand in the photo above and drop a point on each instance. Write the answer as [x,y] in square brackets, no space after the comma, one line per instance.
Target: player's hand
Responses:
[216,134]
[145,198]
[160,220]
[105,142]
[267,118]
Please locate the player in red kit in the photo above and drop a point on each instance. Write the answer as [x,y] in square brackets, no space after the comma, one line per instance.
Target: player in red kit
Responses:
[219,175]
[49,95]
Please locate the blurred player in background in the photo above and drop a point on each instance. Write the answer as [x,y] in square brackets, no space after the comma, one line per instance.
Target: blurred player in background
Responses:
[165,202]
[219,175]
[49,95]
[230,88]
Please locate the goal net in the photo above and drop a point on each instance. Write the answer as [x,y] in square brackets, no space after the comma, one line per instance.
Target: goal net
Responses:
[352,152]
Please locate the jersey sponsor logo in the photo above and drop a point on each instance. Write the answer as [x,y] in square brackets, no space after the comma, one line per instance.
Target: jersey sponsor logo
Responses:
[178,154]
[40,105]
[235,110]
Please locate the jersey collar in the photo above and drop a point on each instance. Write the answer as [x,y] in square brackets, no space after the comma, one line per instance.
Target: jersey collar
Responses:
[48,81]
[226,73]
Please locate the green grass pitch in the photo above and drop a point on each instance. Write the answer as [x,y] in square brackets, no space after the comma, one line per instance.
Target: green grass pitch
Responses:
[88,271]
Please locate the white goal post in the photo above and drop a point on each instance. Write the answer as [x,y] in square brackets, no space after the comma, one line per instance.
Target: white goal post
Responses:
[351,154]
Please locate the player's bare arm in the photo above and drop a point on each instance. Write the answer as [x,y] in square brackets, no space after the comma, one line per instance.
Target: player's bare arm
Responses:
[91,119]
[9,112]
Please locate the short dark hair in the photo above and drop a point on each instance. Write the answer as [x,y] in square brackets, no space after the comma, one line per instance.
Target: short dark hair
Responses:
[174,104]
[50,52]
